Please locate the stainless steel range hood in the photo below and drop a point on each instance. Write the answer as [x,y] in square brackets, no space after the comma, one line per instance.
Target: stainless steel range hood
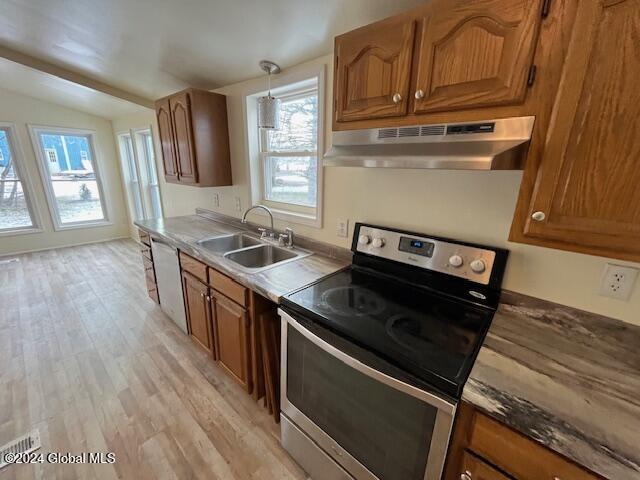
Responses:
[498,144]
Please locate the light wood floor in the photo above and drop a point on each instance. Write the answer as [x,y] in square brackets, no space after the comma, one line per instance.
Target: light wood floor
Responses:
[88,359]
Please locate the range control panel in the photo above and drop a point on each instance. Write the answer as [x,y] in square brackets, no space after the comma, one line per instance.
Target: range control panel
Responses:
[472,263]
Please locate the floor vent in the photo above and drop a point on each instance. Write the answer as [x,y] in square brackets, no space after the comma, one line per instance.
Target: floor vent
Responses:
[25,444]
[8,261]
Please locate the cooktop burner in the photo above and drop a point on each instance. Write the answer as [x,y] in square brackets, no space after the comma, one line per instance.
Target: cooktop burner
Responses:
[352,300]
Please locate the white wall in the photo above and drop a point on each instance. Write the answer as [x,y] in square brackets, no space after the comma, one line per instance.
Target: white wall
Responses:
[472,206]
[22,111]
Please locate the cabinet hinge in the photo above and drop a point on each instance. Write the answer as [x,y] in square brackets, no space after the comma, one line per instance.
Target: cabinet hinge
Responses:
[546,6]
[531,77]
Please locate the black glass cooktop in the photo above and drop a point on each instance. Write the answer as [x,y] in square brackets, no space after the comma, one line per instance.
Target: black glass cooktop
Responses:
[430,336]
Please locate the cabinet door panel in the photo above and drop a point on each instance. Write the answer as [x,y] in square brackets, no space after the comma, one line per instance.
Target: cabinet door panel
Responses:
[183,129]
[373,64]
[475,54]
[232,337]
[587,185]
[196,299]
[163,114]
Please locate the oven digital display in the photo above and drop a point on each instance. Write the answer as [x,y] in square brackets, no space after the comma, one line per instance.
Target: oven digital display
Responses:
[416,247]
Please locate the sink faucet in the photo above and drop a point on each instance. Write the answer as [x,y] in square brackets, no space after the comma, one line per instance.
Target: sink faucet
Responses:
[265,233]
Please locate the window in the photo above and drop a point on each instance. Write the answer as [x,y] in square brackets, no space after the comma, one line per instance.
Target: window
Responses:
[285,165]
[16,212]
[289,156]
[130,171]
[72,183]
[145,139]
[141,177]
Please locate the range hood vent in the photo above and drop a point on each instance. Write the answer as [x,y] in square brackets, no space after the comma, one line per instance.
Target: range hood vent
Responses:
[498,144]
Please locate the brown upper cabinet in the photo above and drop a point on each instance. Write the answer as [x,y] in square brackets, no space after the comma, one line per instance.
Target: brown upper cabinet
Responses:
[583,195]
[195,138]
[373,67]
[444,56]
[475,54]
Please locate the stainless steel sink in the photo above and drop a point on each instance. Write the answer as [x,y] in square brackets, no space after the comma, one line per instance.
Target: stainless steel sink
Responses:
[264,256]
[228,243]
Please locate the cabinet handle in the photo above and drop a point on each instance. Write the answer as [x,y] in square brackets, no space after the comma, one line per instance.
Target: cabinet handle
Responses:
[397,98]
[202,295]
[466,475]
[419,94]
[538,216]
[208,298]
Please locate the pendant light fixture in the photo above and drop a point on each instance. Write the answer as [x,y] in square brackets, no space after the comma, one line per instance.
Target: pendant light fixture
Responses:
[269,107]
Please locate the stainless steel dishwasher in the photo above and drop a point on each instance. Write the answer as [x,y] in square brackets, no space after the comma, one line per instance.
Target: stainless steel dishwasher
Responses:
[165,261]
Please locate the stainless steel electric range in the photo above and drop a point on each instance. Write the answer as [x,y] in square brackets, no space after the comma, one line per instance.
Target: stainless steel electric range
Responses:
[375,356]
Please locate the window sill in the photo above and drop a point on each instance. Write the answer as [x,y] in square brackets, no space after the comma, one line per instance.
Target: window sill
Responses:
[291,217]
[20,231]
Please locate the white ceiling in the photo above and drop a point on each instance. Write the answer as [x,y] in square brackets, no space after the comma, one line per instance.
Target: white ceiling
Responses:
[37,84]
[155,47]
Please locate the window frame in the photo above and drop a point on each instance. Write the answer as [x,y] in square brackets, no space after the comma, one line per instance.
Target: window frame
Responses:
[15,149]
[265,153]
[45,175]
[128,171]
[153,180]
[286,84]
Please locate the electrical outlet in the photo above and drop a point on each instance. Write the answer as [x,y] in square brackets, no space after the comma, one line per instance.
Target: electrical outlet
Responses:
[617,281]
[238,204]
[216,200]
[342,229]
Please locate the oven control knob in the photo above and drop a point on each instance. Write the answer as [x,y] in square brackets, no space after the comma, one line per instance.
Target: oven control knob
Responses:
[456,261]
[364,239]
[478,266]
[378,242]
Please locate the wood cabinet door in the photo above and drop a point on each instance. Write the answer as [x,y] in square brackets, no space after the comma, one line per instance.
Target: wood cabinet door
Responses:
[183,131]
[196,302]
[231,323]
[587,192]
[373,70]
[163,114]
[475,54]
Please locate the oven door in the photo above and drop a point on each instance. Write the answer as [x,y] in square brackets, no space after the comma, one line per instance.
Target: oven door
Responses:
[370,423]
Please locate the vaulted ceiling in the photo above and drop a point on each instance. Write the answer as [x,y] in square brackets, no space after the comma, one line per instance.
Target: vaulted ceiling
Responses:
[152,48]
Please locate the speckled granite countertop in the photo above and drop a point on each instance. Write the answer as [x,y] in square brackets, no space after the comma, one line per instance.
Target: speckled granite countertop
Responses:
[566,378]
[184,232]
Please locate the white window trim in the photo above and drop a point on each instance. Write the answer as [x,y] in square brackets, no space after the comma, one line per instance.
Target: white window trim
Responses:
[125,174]
[252,141]
[18,154]
[155,185]
[34,132]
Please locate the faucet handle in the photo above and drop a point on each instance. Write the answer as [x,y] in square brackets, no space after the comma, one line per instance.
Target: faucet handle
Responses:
[283,239]
[263,232]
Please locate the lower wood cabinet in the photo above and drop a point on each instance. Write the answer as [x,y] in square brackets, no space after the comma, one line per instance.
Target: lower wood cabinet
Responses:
[231,324]
[198,310]
[484,449]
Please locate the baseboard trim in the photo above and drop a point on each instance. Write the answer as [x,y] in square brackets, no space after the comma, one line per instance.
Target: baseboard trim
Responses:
[67,245]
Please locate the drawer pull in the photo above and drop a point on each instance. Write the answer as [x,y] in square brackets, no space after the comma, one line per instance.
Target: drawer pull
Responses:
[466,476]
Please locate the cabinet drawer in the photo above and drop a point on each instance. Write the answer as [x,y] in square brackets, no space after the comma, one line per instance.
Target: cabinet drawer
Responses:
[228,287]
[476,469]
[194,267]
[144,237]
[519,456]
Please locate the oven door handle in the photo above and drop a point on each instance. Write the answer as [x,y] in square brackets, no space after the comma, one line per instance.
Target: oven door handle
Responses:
[433,400]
